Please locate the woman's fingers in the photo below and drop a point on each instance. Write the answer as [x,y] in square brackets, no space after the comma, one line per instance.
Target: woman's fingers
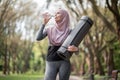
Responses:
[72,48]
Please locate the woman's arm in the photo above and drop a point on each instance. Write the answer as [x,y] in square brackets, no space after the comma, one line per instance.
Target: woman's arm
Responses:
[41,33]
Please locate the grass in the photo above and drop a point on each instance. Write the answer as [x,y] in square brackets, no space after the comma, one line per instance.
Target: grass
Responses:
[40,77]
[21,77]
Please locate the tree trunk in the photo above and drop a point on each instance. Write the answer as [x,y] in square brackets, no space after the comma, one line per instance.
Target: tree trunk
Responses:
[8,63]
[82,69]
[98,66]
[110,65]
[5,60]
[90,62]
[14,63]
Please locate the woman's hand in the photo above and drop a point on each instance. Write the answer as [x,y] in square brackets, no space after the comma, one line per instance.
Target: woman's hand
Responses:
[46,17]
[73,48]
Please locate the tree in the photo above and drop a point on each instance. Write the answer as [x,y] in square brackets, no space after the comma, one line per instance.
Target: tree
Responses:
[12,15]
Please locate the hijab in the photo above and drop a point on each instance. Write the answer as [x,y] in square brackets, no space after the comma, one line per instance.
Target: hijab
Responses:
[58,33]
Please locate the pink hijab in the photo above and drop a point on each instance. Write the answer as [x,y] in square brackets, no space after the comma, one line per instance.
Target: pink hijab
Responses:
[58,33]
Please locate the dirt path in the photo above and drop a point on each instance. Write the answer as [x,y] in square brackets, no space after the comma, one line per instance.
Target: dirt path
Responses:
[73,78]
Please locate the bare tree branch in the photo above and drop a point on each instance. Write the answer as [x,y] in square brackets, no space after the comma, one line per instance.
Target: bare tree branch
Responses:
[99,14]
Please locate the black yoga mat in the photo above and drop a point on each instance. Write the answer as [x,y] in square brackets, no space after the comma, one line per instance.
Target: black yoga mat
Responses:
[75,37]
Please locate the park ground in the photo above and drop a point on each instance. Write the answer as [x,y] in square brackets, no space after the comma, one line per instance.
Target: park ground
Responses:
[31,77]
[40,77]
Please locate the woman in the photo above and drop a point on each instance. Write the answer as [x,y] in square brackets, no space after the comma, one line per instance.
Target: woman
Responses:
[56,35]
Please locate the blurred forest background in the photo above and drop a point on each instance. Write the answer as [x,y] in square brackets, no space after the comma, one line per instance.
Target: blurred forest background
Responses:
[20,21]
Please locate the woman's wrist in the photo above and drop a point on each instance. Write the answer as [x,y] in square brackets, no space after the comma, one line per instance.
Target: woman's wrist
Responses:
[43,24]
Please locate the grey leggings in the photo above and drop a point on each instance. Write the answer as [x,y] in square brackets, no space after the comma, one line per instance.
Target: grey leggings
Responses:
[54,67]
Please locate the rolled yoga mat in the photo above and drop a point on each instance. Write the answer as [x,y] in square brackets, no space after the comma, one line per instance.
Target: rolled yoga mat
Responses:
[75,37]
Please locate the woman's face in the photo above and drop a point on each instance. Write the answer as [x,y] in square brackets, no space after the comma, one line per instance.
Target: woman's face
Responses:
[58,17]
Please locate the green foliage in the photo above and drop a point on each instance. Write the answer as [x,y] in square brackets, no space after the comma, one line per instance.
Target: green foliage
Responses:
[116,48]
[40,51]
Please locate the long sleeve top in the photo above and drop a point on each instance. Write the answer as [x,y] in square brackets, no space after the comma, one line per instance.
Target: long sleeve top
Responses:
[42,33]
[52,50]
